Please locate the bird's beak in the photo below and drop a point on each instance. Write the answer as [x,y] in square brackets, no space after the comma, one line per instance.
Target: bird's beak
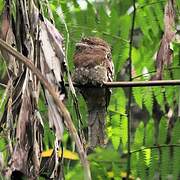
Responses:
[81,45]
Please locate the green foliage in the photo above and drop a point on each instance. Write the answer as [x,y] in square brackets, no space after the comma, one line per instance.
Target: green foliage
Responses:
[152,160]
[148,98]
[162,131]
[117,121]
[137,93]
[112,20]
[139,136]
[149,137]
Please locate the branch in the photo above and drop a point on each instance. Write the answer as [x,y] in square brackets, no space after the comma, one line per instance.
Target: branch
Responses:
[155,147]
[63,111]
[129,112]
[142,83]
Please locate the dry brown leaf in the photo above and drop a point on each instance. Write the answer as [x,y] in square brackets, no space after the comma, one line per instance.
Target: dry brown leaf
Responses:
[21,151]
[165,53]
[8,36]
[52,65]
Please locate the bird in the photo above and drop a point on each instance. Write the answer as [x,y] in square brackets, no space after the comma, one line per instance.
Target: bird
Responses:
[94,66]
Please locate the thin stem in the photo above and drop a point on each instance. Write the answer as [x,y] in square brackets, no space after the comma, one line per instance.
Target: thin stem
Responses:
[117,84]
[141,83]
[156,147]
[154,71]
[3,85]
[129,113]
[72,89]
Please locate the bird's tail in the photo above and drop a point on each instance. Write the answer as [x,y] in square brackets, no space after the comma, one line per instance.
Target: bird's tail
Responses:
[97,101]
[96,127]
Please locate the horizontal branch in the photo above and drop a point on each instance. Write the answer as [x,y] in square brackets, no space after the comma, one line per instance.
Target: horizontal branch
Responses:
[135,83]
[142,83]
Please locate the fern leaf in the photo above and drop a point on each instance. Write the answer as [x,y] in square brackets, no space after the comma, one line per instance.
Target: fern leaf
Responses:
[124,131]
[162,131]
[137,93]
[147,156]
[139,136]
[142,168]
[149,135]
[148,98]
[164,162]
[176,133]
[176,160]
[154,165]
[116,130]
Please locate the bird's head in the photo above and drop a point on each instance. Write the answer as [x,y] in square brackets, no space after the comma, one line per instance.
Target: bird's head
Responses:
[91,51]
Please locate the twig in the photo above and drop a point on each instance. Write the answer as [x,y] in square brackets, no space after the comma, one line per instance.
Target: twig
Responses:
[129,113]
[63,111]
[142,83]
[155,147]
[71,87]
[3,85]
[117,84]
[154,71]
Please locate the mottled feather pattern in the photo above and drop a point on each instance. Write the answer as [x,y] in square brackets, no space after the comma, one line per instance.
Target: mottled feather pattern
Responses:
[93,66]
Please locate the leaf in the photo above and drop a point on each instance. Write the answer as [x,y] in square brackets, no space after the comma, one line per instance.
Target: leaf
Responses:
[158,94]
[154,164]
[53,66]
[165,163]
[176,160]
[137,93]
[164,55]
[148,98]
[141,166]
[55,120]
[124,131]
[162,131]
[176,132]
[116,130]
[6,33]
[118,102]
[66,154]
[147,155]
[149,138]
[139,136]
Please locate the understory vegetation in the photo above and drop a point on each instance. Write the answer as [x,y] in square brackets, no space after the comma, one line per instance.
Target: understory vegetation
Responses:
[142,123]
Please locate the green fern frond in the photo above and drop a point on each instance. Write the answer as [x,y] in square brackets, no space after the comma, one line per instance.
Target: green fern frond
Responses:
[162,131]
[137,93]
[154,164]
[164,162]
[118,102]
[148,98]
[141,166]
[139,137]
[147,156]
[124,131]
[149,135]
[176,132]
[158,93]
[176,161]
[116,130]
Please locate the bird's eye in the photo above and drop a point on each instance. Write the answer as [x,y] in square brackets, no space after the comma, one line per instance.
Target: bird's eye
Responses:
[109,56]
[78,48]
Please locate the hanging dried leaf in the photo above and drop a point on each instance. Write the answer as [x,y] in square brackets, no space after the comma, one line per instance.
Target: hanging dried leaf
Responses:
[52,66]
[6,33]
[39,40]
[165,53]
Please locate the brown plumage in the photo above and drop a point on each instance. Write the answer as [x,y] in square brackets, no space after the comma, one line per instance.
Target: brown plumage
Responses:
[93,66]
